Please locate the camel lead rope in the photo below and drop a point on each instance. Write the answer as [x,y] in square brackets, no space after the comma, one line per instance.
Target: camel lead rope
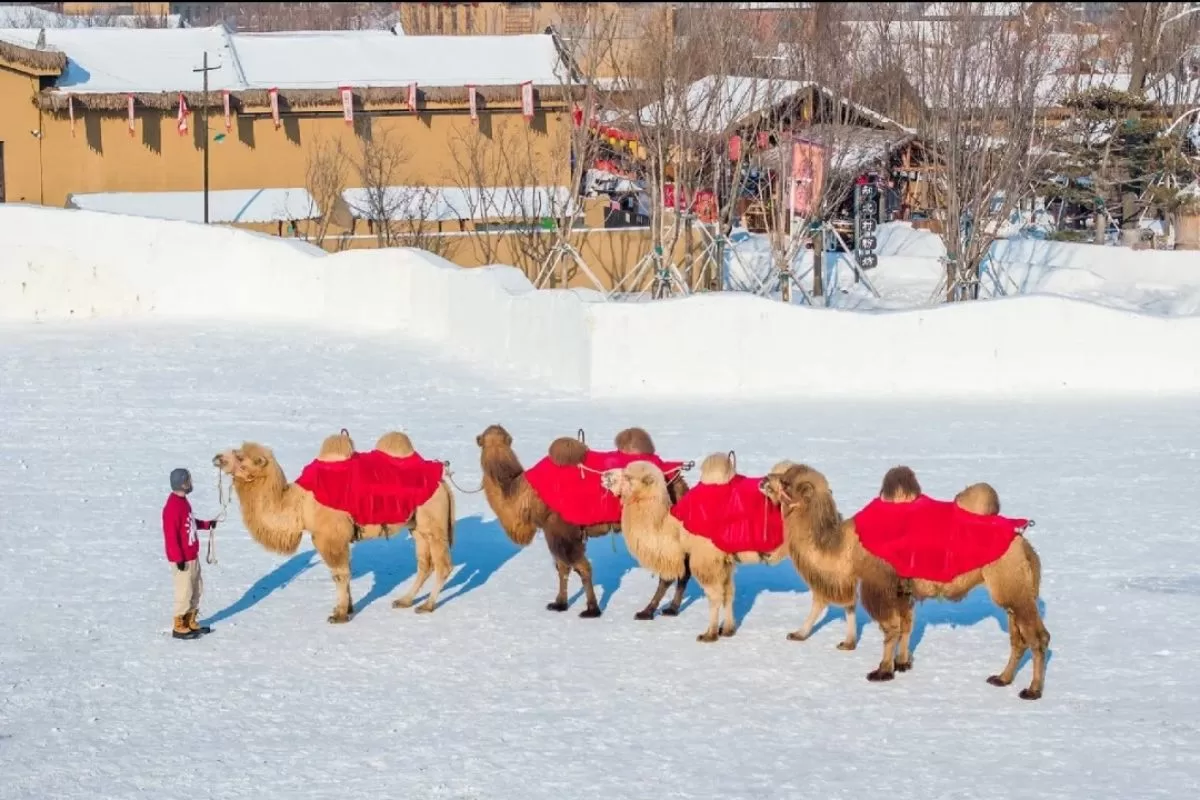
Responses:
[210,554]
[454,483]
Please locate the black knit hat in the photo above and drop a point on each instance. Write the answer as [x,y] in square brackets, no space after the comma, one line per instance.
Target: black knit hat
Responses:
[180,478]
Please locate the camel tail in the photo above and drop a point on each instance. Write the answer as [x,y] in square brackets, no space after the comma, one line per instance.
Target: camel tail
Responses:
[1035,566]
[283,542]
[451,516]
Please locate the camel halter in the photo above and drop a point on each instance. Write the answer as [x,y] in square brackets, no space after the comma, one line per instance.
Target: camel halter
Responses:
[210,554]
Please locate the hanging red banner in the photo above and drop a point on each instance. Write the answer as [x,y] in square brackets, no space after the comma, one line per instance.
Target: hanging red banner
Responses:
[181,119]
[129,112]
[347,104]
[228,117]
[71,111]
[735,148]
[527,100]
[412,97]
[471,99]
[274,95]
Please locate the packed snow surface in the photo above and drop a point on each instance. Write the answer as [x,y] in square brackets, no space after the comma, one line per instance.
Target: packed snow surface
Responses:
[492,696]
[718,346]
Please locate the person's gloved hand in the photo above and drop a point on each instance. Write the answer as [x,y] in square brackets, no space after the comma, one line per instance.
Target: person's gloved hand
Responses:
[181,565]
[212,524]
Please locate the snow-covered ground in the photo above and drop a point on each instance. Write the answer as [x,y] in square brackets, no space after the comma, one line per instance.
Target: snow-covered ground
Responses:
[494,697]
[129,347]
[909,274]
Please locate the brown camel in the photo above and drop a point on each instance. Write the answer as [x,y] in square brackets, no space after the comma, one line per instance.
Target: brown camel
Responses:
[277,513]
[661,543]
[522,513]
[827,548]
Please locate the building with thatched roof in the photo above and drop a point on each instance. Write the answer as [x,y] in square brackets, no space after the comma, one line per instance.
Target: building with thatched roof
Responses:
[110,110]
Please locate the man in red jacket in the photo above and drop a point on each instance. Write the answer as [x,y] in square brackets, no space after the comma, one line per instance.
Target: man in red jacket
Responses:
[183,551]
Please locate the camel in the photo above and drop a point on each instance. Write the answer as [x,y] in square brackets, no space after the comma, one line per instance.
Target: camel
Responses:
[277,513]
[522,513]
[661,543]
[827,548]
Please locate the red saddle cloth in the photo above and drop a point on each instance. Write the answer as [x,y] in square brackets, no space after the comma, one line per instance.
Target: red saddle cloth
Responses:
[577,495]
[933,540]
[373,488]
[734,516]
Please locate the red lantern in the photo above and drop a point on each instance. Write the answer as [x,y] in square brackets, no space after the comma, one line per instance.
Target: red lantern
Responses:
[735,148]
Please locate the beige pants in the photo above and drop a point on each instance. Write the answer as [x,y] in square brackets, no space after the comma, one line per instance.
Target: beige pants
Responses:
[188,586]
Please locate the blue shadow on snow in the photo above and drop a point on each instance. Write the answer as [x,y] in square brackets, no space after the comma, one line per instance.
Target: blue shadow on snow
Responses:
[479,550]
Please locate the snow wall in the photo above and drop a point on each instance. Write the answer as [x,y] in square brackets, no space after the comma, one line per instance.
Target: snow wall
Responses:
[65,264]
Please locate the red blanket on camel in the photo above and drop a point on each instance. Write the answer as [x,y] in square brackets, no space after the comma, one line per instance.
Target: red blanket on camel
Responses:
[576,494]
[933,540]
[734,516]
[373,488]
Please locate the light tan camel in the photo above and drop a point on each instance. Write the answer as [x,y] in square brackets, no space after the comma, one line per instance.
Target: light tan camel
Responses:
[522,513]
[277,513]
[827,548]
[660,543]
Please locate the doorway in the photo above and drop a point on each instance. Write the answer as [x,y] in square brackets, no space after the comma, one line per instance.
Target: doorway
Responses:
[1,172]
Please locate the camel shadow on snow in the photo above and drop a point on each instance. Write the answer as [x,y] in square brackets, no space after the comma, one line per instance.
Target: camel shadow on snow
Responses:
[480,549]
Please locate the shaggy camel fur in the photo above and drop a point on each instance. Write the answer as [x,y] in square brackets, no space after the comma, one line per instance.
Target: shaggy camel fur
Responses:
[830,551]
[277,513]
[661,543]
[521,513]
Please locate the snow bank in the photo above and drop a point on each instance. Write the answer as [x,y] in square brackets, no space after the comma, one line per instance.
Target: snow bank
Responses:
[61,264]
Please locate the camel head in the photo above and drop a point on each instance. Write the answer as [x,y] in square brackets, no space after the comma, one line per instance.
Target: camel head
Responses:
[717,468]
[247,463]
[979,498]
[634,441]
[804,491]
[900,485]
[639,480]
[494,436]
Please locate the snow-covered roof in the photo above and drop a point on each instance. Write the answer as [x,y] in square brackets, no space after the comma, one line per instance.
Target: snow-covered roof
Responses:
[147,60]
[716,104]
[442,203]
[224,205]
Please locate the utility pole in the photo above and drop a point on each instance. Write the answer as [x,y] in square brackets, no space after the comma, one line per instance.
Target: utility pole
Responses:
[205,69]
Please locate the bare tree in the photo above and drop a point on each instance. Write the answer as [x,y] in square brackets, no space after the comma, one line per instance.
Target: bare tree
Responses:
[981,81]
[326,172]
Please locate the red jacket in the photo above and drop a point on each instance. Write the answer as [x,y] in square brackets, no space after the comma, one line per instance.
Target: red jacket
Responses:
[179,529]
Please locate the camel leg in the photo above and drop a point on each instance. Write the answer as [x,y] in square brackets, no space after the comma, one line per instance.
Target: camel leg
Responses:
[891,637]
[851,640]
[334,549]
[652,606]
[729,627]
[814,613]
[441,571]
[583,568]
[882,601]
[1016,651]
[904,661]
[1037,638]
[713,592]
[560,600]
[680,589]
[424,567]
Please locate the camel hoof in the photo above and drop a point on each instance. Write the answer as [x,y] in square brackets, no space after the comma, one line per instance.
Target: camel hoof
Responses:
[1029,694]
[556,606]
[426,608]
[797,636]
[646,613]
[879,675]
[402,602]
[591,612]
[903,666]
[670,611]
[996,680]
[337,619]
[727,632]
[847,645]
[707,638]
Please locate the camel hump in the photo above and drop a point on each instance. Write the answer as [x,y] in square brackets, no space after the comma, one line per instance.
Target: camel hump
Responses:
[395,444]
[979,498]
[717,469]
[338,447]
[634,441]
[900,484]
[782,467]
[567,451]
